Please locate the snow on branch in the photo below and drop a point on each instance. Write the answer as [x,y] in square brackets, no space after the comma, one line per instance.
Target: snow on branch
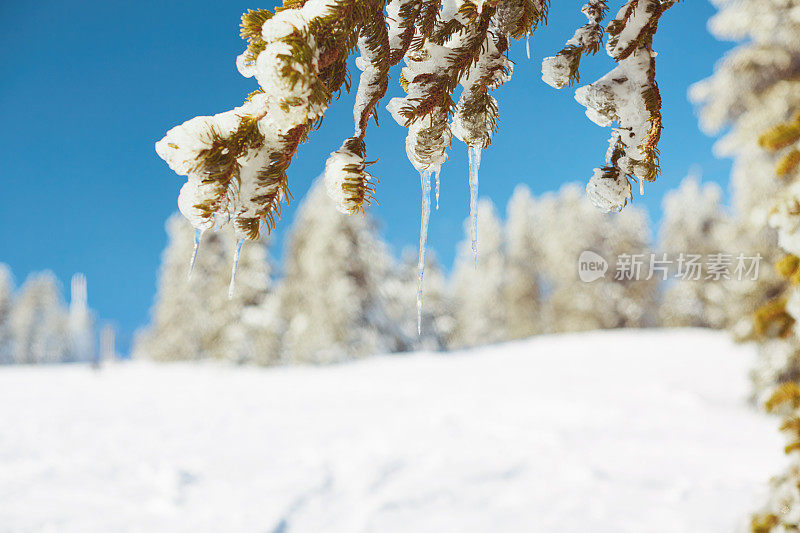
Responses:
[562,69]
[235,162]
[627,95]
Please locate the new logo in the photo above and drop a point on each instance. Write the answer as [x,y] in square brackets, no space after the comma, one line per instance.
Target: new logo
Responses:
[591,266]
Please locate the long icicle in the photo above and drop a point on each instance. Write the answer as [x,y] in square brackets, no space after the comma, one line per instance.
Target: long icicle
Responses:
[436,175]
[235,267]
[198,234]
[425,182]
[474,166]
[528,47]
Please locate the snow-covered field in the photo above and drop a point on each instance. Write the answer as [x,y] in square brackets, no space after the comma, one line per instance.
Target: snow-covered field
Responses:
[614,432]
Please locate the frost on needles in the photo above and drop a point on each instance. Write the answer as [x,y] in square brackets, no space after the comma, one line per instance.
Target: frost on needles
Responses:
[236,162]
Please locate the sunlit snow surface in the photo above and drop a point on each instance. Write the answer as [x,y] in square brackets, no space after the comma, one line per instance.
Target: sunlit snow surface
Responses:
[602,432]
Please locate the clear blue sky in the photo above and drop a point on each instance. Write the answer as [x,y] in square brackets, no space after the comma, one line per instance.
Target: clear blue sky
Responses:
[86,88]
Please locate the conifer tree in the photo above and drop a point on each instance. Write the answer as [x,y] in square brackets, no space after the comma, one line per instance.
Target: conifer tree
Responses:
[257,337]
[236,161]
[193,318]
[333,296]
[108,348]
[781,512]
[524,268]
[252,332]
[778,362]
[80,322]
[755,87]
[39,322]
[752,302]
[694,224]
[436,324]
[6,302]
[478,286]
[624,296]
[176,315]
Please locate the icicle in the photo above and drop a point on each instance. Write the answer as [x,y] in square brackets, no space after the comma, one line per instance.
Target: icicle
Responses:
[235,267]
[528,47]
[436,175]
[198,234]
[641,187]
[474,165]
[425,181]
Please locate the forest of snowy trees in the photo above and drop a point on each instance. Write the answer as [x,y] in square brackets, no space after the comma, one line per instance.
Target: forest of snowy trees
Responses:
[359,299]
[36,326]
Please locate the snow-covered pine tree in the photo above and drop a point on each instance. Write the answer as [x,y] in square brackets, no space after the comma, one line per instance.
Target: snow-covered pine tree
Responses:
[612,301]
[436,321]
[783,140]
[695,224]
[778,362]
[751,302]
[39,322]
[478,285]
[781,512]
[193,319]
[80,322]
[108,344]
[253,331]
[236,161]
[755,85]
[775,322]
[257,337]
[334,297]
[6,303]
[176,315]
[524,269]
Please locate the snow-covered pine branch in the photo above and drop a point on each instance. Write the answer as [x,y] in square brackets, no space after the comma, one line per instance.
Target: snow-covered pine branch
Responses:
[561,70]
[236,161]
[627,95]
[783,139]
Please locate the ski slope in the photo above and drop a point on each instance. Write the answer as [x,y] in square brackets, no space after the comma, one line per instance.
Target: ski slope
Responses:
[626,431]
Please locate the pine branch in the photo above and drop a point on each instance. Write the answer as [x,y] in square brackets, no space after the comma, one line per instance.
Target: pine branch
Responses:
[236,161]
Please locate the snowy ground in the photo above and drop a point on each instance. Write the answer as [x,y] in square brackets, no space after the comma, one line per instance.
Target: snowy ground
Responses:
[613,432]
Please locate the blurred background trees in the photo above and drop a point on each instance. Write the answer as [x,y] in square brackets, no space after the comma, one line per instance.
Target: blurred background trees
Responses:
[695,223]
[339,293]
[36,326]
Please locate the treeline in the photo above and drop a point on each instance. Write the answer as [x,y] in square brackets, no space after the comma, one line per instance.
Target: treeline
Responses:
[344,295]
[37,326]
